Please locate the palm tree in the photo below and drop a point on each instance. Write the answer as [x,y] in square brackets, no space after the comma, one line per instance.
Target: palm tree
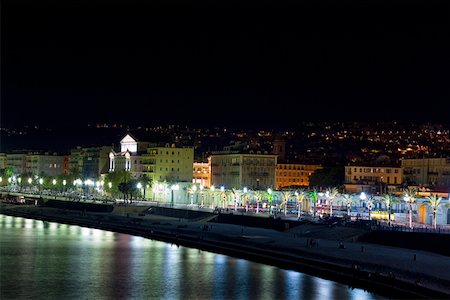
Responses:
[235,195]
[434,202]
[314,198]
[245,196]
[388,200]
[409,197]
[286,196]
[258,195]
[348,201]
[301,195]
[370,205]
[331,194]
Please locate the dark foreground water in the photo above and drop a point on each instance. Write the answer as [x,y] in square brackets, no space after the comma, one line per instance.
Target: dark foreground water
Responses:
[43,260]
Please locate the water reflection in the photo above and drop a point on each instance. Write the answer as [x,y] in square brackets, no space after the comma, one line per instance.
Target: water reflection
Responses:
[45,260]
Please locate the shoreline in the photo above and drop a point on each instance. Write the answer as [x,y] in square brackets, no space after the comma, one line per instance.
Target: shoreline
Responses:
[267,247]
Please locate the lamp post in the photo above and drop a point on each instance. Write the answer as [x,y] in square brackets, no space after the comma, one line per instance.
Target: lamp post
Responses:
[211,190]
[246,199]
[41,181]
[139,187]
[363,197]
[174,187]
[224,197]
[201,194]
[269,192]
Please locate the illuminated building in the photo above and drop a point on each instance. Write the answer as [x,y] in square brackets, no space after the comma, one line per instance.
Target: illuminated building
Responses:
[427,171]
[292,175]
[51,165]
[373,178]
[168,163]
[202,174]
[254,171]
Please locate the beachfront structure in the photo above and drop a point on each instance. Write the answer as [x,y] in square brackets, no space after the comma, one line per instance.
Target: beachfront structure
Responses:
[429,172]
[168,163]
[294,175]
[255,171]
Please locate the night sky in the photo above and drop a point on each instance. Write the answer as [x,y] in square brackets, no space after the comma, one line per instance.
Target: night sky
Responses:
[223,63]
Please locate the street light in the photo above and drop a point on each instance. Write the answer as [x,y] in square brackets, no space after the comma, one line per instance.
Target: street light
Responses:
[246,199]
[201,194]
[64,184]
[41,182]
[174,187]
[211,190]
[269,191]
[224,197]
[139,186]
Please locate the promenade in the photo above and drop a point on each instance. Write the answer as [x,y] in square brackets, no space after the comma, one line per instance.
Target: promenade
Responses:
[398,272]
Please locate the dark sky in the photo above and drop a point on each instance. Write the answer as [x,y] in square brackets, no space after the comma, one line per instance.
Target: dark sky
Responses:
[233,63]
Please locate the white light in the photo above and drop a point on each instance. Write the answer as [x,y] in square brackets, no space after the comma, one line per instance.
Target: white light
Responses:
[19,180]
[174,187]
[110,184]
[29,180]
[406,198]
[194,188]
[320,194]
[54,181]
[245,190]
[139,185]
[9,179]
[296,193]
[41,181]
[64,182]
[1,179]
[212,188]
[363,196]
[269,190]
[222,188]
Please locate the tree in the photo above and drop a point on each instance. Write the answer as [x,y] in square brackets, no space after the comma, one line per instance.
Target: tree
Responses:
[332,193]
[301,195]
[116,178]
[6,173]
[388,200]
[286,196]
[348,201]
[145,181]
[258,195]
[327,177]
[314,197]
[409,197]
[434,202]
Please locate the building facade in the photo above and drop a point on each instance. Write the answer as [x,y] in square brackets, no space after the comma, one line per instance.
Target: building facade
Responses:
[89,162]
[373,178]
[292,175]
[169,163]
[202,174]
[427,172]
[50,165]
[255,171]
[17,162]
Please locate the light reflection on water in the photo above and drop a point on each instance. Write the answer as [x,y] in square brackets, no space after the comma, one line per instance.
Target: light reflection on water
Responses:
[44,260]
